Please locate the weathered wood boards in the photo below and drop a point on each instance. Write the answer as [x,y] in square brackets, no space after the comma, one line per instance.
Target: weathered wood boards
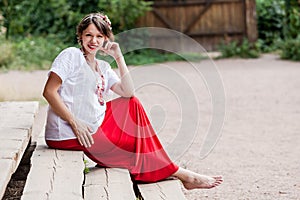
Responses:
[108,184]
[164,190]
[58,174]
[207,22]
[16,121]
[116,184]
[54,174]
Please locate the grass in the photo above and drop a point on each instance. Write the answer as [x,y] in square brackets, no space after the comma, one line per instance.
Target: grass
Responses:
[86,169]
[28,53]
[151,56]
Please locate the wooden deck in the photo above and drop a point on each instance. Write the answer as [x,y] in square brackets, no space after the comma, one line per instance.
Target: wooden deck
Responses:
[54,174]
[16,121]
[57,174]
[108,183]
[168,189]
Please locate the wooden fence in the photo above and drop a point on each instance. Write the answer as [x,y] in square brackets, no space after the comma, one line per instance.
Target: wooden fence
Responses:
[207,21]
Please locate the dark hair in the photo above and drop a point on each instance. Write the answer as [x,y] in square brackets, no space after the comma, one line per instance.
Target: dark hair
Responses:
[100,21]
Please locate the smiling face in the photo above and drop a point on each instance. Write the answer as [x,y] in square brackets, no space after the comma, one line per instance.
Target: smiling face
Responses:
[91,32]
[92,39]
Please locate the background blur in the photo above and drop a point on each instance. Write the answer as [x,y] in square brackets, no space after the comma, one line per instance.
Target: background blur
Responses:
[33,32]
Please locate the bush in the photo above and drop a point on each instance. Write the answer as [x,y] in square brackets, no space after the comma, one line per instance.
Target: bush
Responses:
[123,14]
[270,22]
[35,52]
[60,18]
[277,20]
[291,49]
[6,55]
[293,22]
[236,49]
[150,56]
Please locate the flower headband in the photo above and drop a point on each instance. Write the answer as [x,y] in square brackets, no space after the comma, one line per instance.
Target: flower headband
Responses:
[105,19]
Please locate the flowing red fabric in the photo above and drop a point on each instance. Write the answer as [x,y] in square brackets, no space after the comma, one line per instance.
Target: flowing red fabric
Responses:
[126,139]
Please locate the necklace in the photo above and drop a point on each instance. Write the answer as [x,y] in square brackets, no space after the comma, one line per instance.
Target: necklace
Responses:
[100,87]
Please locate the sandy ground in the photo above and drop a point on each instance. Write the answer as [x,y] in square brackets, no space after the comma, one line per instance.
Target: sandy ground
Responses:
[259,145]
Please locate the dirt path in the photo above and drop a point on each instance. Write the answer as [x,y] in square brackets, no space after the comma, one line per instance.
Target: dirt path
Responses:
[258,152]
[16,85]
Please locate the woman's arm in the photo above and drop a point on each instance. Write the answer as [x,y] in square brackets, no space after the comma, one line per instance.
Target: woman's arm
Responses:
[50,93]
[125,87]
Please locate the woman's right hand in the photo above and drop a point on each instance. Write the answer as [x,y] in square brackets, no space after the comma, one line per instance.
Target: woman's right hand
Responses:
[82,132]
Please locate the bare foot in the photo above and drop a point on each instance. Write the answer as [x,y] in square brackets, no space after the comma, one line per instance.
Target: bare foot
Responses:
[203,182]
[192,180]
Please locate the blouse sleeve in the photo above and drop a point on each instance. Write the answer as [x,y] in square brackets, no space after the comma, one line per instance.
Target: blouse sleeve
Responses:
[63,65]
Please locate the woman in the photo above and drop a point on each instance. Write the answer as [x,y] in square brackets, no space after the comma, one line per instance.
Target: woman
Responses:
[115,133]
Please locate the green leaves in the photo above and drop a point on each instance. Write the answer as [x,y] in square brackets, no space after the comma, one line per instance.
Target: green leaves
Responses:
[6,55]
[243,50]
[24,18]
[291,49]
[124,13]
[277,20]
[270,21]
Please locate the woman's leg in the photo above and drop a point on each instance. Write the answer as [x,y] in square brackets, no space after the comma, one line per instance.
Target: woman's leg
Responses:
[192,180]
[132,141]
[126,139]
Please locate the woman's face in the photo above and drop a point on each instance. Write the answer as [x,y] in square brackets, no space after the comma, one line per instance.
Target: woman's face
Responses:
[92,39]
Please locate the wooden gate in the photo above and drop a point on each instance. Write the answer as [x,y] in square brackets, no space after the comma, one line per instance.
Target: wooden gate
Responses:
[207,21]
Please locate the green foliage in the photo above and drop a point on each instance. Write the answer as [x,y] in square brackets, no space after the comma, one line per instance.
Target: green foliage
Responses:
[40,18]
[277,20]
[86,169]
[124,13]
[236,49]
[278,26]
[291,49]
[6,55]
[151,56]
[270,22]
[29,53]
[36,52]
[59,18]
[36,31]
[292,22]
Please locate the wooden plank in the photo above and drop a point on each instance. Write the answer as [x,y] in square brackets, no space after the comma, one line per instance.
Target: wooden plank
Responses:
[188,3]
[165,190]
[95,186]
[250,18]
[13,143]
[194,21]
[9,107]
[209,25]
[108,184]
[39,124]
[13,133]
[5,174]
[17,114]
[55,174]
[13,149]
[41,166]
[16,121]
[69,176]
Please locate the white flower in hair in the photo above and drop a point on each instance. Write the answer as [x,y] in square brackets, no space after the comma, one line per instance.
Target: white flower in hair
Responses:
[106,19]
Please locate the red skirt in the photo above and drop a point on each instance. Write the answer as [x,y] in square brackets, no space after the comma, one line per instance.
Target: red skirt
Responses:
[126,139]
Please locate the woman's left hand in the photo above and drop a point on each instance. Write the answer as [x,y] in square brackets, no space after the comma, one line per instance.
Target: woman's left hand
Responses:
[112,49]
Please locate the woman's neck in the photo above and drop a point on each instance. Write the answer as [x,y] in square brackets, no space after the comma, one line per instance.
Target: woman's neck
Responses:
[90,58]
